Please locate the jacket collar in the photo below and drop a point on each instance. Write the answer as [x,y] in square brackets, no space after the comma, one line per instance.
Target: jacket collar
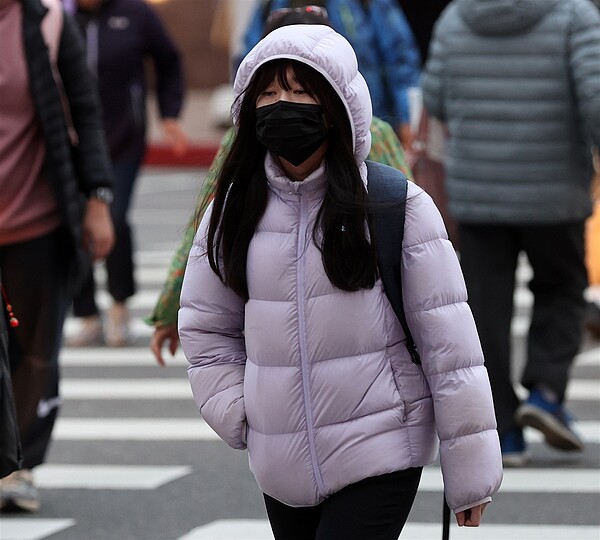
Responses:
[312,186]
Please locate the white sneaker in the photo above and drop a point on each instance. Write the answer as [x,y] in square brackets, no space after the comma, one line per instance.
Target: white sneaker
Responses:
[117,325]
[88,334]
[18,492]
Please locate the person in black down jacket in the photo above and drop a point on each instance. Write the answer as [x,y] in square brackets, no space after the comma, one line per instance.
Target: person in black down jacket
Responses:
[518,83]
[120,35]
[54,181]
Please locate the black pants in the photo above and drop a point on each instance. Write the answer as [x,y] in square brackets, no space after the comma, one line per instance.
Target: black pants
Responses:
[373,509]
[489,257]
[119,264]
[35,275]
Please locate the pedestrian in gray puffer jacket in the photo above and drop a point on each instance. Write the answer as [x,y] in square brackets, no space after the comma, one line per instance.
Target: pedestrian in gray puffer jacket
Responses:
[518,84]
[295,351]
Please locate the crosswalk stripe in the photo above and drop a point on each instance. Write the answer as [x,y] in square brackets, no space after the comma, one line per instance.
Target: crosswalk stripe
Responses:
[156,388]
[589,358]
[196,429]
[134,477]
[529,481]
[143,300]
[145,276]
[133,429]
[107,357]
[255,529]
[126,388]
[32,528]
[137,327]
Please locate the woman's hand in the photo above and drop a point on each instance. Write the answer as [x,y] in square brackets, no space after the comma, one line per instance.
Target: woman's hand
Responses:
[162,335]
[471,517]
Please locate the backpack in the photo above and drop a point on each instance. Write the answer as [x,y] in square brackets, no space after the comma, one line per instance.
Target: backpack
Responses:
[387,191]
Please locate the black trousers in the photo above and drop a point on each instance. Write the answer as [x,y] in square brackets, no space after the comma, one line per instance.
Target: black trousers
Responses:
[35,276]
[119,264]
[489,255]
[373,509]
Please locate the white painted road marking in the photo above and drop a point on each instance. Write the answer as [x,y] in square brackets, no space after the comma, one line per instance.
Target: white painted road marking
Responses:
[32,528]
[133,429]
[121,477]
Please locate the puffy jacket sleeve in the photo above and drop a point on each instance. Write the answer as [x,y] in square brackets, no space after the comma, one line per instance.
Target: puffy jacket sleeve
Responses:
[584,63]
[444,331]
[211,332]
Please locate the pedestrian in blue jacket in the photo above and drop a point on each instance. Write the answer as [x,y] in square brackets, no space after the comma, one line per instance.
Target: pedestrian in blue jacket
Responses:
[120,35]
[378,31]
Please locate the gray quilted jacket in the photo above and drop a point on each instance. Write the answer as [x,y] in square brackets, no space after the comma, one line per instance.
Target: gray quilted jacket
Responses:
[518,83]
[316,382]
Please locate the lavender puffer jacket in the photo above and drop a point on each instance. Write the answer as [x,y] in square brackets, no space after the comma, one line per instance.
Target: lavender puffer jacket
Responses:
[316,382]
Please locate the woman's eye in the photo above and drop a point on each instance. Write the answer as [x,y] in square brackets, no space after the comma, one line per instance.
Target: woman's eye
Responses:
[300,91]
[268,93]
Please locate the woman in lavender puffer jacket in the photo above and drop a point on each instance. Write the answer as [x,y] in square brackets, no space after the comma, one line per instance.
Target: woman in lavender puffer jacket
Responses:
[295,352]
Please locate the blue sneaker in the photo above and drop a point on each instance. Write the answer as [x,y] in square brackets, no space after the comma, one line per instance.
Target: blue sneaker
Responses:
[552,419]
[514,450]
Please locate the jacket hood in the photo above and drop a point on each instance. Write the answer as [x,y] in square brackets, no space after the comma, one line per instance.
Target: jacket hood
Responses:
[498,17]
[332,56]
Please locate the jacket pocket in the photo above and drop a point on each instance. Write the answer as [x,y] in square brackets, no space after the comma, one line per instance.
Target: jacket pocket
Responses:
[400,393]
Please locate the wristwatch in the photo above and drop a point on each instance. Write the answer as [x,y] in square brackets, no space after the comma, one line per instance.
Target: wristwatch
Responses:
[103,194]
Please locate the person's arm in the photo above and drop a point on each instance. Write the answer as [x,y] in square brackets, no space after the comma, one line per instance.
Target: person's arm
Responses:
[170,85]
[90,154]
[401,59]
[443,328]
[584,63]
[211,322]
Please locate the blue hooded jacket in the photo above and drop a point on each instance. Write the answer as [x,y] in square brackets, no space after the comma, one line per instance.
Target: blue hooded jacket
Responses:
[388,57]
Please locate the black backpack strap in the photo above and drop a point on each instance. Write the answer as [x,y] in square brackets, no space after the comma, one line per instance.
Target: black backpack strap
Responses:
[445,521]
[387,192]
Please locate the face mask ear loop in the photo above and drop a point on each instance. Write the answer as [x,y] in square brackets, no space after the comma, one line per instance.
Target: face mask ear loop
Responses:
[13,321]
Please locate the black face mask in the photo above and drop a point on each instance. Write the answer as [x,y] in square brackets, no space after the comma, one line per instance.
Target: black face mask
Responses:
[293,131]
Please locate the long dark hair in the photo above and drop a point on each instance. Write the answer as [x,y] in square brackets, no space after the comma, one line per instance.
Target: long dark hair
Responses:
[241,194]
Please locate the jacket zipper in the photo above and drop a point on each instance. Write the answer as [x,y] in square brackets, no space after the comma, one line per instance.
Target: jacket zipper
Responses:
[302,227]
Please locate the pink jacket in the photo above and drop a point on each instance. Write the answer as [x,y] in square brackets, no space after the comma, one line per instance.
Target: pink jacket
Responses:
[316,382]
